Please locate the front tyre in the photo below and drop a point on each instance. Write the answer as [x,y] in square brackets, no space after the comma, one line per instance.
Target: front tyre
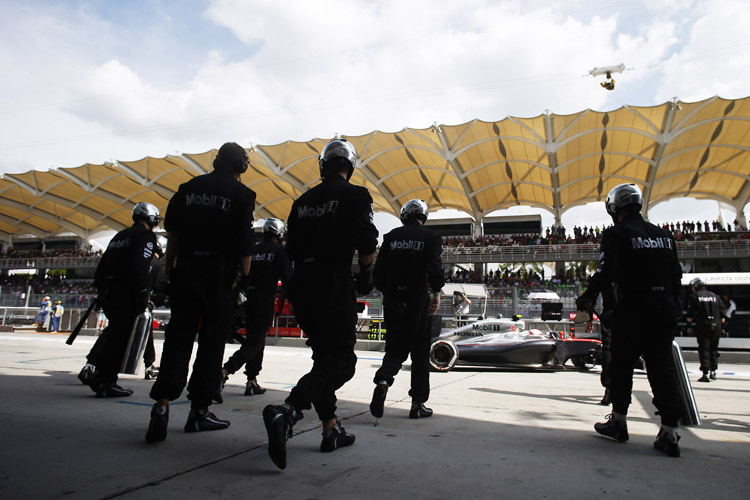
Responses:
[579,363]
[443,355]
[587,361]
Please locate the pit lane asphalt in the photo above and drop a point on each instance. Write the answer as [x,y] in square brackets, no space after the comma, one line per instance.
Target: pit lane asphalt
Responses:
[496,433]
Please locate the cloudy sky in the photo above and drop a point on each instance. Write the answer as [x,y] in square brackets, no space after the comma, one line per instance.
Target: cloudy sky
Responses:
[91,81]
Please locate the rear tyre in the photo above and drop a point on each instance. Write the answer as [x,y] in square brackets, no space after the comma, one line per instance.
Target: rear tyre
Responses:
[443,355]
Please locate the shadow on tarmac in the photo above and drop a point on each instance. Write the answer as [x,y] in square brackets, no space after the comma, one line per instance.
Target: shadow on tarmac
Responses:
[507,434]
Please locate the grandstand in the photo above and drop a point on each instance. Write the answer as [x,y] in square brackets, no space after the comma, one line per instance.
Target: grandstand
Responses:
[465,259]
[550,162]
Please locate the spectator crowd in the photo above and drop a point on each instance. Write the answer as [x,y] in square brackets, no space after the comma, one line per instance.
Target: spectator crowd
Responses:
[12,253]
[557,235]
[500,283]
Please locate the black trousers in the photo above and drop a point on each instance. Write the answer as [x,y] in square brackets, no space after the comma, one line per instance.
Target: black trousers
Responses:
[149,354]
[408,333]
[708,347]
[645,327]
[606,355]
[258,319]
[325,307]
[109,349]
[210,322]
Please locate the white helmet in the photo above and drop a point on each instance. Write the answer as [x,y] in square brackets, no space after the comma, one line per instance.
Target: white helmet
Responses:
[623,195]
[414,209]
[146,212]
[338,148]
[274,227]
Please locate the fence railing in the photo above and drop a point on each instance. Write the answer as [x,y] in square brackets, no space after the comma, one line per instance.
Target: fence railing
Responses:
[584,252]
[49,263]
[479,254]
[24,316]
[68,300]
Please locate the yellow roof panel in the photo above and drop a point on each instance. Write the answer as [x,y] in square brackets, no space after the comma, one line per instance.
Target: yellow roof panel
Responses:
[555,162]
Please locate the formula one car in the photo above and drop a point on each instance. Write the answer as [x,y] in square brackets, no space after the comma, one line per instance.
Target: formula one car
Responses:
[506,342]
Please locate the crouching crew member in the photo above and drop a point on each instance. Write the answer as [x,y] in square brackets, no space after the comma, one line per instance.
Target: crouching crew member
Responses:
[270,265]
[122,279]
[326,225]
[409,265]
[704,316]
[210,226]
[640,260]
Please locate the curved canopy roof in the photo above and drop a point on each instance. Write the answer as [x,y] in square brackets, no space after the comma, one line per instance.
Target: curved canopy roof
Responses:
[553,162]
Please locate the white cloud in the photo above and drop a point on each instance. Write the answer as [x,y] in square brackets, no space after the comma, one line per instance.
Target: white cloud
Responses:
[325,67]
[86,89]
[715,60]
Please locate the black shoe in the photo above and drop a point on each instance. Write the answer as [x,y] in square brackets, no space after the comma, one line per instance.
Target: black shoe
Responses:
[336,437]
[667,444]
[217,397]
[704,378]
[204,420]
[157,427]
[279,420]
[612,428]
[420,411]
[151,372]
[378,399]
[253,389]
[712,375]
[112,391]
[86,375]
[605,399]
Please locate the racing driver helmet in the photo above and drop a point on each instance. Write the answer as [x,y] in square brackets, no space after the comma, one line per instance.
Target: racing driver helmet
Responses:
[146,212]
[273,227]
[338,153]
[621,196]
[414,209]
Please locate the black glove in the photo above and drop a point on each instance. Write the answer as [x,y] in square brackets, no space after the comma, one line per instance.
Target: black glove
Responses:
[364,280]
[141,299]
[244,280]
[583,303]
[607,319]
[172,283]
[158,299]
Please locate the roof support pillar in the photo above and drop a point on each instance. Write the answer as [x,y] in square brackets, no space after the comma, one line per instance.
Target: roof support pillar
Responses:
[743,198]
[741,219]
[551,148]
[664,137]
